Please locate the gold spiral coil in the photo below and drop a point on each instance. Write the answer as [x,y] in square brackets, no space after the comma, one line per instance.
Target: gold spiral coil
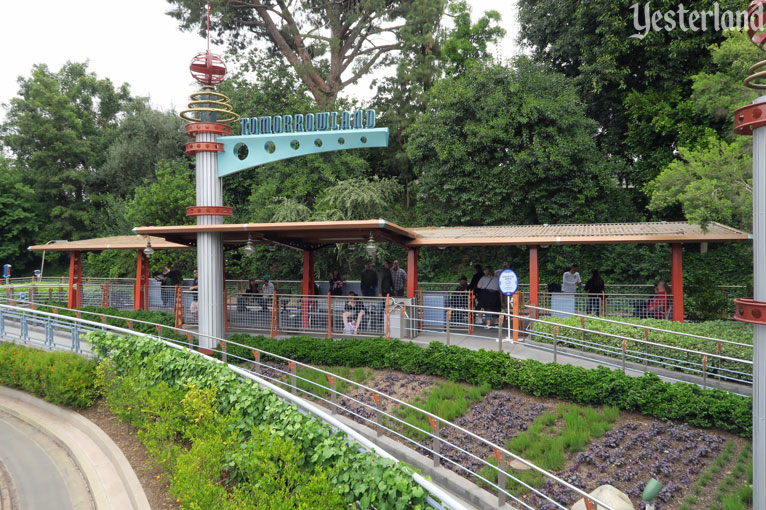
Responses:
[217,103]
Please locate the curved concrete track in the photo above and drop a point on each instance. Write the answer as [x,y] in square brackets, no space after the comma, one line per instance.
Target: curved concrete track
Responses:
[39,472]
[53,458]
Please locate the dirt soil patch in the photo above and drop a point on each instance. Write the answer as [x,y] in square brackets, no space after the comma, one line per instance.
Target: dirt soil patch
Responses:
[153,479]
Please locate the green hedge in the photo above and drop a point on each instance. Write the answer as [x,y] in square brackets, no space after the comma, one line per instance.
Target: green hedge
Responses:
[358,476]
[62,378]
[647,394]
[725,330]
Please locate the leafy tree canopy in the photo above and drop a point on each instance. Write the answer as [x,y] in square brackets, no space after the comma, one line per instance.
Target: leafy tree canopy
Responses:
[59,128]
[502,145]
[329,43]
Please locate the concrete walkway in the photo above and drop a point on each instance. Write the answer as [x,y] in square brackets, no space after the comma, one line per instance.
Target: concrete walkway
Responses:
[53,458]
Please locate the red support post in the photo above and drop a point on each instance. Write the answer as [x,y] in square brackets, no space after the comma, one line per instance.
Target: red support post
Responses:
[534,278]
[75,280]
[141,288]
[412,272]
[677,282]
[307,284]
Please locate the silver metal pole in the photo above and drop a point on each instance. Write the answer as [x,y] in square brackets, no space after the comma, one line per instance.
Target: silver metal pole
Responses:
[759,330]
[209,247]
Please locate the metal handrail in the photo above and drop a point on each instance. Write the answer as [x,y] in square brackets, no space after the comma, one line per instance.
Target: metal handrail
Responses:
[650,328]
[103,326]
[350,432]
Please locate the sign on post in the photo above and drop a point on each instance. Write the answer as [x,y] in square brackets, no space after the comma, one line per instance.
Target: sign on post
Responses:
[509,284]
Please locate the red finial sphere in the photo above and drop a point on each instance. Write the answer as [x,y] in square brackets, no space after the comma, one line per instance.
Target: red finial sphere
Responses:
[208,69]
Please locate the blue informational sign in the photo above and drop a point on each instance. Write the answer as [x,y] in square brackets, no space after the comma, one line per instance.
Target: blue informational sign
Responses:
[7,270]
[508,282]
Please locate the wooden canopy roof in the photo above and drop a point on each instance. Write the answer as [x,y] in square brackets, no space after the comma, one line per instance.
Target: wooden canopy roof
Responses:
[599,233]
[313,235]
[111,243]
[309,235]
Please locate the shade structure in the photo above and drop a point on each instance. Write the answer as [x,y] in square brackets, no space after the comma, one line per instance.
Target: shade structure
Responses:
[136,242]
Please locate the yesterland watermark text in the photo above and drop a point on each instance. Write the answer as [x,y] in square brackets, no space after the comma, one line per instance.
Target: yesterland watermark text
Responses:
[646,19]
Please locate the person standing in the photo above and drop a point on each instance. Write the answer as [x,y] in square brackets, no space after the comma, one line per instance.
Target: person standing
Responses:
[267,291]
[369,280]
[476,277]
[571,280]
[399,278]
[595,288]
[386,282]
[164,279]
[489,297]
[336,283]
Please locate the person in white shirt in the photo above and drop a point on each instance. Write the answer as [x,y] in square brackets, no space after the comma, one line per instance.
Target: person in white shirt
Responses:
[571,280]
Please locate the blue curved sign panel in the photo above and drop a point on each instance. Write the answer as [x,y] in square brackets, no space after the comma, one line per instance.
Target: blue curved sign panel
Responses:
[274,138]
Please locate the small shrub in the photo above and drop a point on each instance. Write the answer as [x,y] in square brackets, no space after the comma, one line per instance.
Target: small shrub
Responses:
[61,378]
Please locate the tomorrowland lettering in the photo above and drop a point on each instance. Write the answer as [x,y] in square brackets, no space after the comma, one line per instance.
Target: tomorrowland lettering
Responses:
[309,122]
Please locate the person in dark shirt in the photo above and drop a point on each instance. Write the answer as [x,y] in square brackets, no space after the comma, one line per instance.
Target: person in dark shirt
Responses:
[476,277]
[249,297]
[595,288]
[336,283]
[369,280]
[352,314]
[174,276]
[386,281]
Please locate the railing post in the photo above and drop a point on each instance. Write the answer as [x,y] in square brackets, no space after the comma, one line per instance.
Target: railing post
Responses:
[500,333]
[719,364]
[226,310]
[333,394]
[224,356]
[500,478]
[388,316]
[436,441]
[329,315]
[293,378]
[515,319]
[274,314]
[646,350]
[704,371]
[582,334]
[555,342]
[378,414]
[449,319]
[624,350]
[471,319]
[257,360]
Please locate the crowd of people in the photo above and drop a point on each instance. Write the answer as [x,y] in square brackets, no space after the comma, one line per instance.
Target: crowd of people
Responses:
[392,281]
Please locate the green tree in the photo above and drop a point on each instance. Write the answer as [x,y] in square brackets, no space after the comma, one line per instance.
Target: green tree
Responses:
[58,129]
[252,193]
[711,183]
[143,138]
[633,87]
[164,199]
[428,51]
[502,145]
[711,179]
[330,44]
[358,199]
[19,222]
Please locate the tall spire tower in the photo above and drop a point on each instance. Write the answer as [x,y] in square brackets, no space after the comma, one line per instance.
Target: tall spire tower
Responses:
[208,115]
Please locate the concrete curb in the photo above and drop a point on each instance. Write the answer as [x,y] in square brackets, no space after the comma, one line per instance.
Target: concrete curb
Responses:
[112,482]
